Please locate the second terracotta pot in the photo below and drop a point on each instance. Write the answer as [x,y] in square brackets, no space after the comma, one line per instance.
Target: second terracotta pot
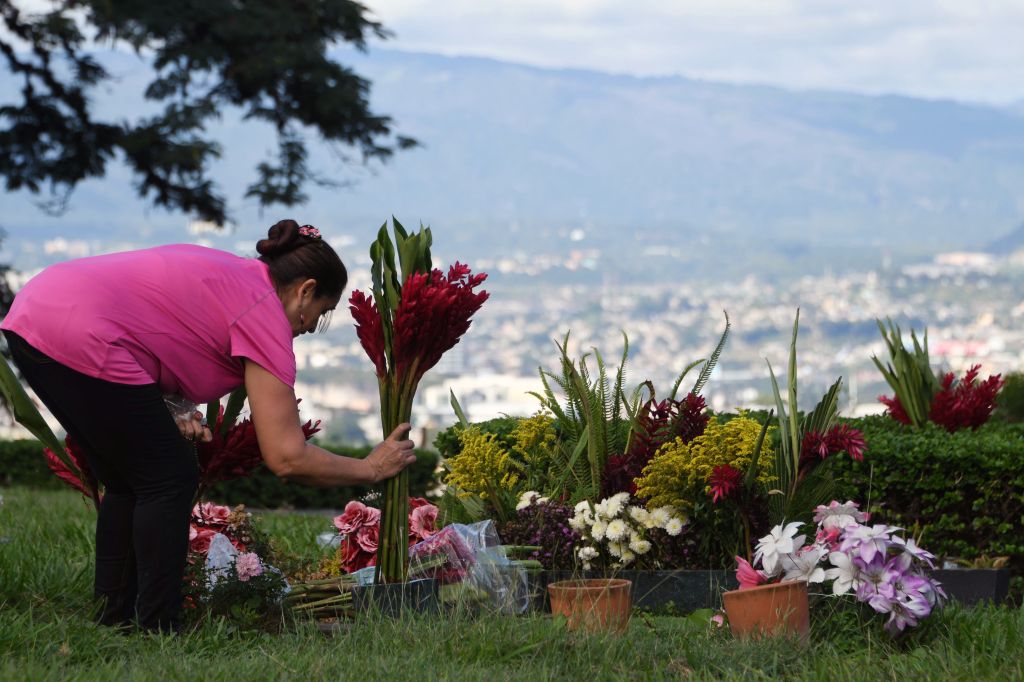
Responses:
[598,605]
[774,609]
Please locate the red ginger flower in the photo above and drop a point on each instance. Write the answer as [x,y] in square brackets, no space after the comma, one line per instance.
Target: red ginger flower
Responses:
[724,482]
[235,453]
[368,328]
[433,313]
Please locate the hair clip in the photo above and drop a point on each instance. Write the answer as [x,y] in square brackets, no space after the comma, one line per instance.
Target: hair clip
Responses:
[309,231]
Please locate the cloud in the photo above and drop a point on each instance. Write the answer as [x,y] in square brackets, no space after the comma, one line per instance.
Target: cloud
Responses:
[932,48]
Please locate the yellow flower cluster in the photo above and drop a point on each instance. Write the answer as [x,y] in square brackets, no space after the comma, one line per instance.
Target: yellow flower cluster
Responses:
[482,465]
[534,441]
[679,471]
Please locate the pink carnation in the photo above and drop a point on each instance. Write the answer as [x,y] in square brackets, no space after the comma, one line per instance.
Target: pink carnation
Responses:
[248,566]
[355,516]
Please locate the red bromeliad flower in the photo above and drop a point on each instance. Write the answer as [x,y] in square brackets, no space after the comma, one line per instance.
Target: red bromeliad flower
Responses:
[967,403]
[432,315]
[724,482]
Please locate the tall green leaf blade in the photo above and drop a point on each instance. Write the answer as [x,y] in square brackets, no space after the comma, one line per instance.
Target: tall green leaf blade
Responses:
[709,366]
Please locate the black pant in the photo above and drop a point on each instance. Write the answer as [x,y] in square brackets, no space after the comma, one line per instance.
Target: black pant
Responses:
[149,474]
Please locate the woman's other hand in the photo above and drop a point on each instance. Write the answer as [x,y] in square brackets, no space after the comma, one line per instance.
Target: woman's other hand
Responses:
[392,455]
[195,429]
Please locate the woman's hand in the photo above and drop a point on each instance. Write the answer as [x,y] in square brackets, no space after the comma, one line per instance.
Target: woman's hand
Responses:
[195,429]
[392,455]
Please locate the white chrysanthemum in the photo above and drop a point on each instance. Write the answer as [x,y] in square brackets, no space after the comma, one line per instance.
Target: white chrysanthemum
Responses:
[598,530]
[640,546]
[542,500]
[616,529]
[674,527]
[577,523]
[615,549]
[586,565]
[601,510]
[581,507]
[526,499]
[640,515]
[588,553]
[660,517]
[613,506]
[627,557]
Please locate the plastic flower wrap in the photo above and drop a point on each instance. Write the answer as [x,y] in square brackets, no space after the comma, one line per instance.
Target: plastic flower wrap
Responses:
[445,556]
[873,563]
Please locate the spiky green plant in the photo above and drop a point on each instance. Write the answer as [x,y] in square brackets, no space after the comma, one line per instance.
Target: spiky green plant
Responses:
[797,492]
[908,373]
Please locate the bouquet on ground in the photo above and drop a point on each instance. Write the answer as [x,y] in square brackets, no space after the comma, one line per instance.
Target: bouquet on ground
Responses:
[359,528]
[228,570]
[414,315]
[615,534]
[873,563]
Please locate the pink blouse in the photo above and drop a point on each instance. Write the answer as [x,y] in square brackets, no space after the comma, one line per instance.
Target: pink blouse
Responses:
[180,316]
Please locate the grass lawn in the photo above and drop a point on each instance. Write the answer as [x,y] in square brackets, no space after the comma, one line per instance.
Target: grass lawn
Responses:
[46,632]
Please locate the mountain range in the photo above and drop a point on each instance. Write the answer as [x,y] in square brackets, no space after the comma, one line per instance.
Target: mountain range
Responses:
[672,174]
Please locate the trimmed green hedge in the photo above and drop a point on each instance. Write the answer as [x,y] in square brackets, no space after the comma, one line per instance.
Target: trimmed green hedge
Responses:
[963,490]
[22,463]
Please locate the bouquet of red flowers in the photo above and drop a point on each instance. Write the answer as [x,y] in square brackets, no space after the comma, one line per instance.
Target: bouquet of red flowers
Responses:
[415,314]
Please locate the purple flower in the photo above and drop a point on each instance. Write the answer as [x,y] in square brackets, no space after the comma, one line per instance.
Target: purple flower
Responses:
[870,542]
[911,551]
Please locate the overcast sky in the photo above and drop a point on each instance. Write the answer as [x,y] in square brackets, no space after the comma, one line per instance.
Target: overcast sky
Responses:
[958,49]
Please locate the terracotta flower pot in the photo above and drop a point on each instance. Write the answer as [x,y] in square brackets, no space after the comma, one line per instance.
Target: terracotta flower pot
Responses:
[593,605]
[773,609]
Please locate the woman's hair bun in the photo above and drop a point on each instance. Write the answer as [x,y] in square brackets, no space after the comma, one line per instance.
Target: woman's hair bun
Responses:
[281,238]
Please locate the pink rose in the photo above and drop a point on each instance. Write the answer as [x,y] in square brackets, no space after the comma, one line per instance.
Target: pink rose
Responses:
[355,516]
[210,514]
[248,566]
[422,520]
[367,538]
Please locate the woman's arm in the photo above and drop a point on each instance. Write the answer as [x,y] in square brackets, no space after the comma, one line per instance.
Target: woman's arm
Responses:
[287,454]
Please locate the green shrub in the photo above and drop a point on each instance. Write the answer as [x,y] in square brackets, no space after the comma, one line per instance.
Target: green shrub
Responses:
[1010,401]
[22,463]
[448,444]
[964,491]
